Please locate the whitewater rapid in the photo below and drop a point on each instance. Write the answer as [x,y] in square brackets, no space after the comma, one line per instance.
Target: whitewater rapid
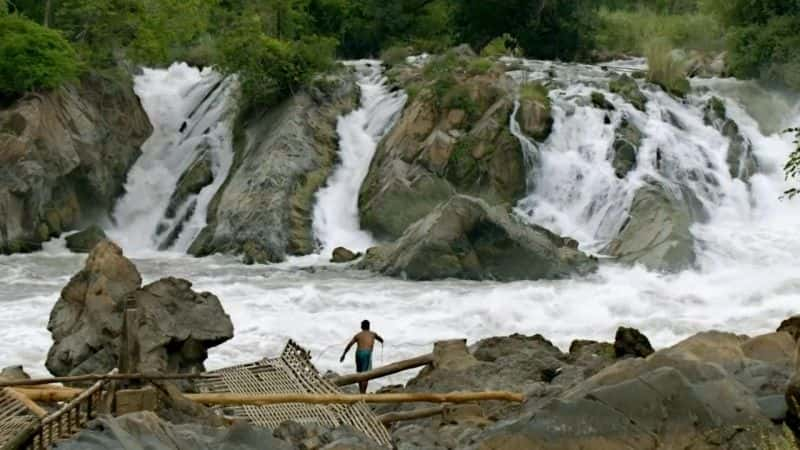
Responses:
[335,220]
[746,282]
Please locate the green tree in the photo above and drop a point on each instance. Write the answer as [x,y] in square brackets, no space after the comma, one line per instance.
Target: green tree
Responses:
[33,57]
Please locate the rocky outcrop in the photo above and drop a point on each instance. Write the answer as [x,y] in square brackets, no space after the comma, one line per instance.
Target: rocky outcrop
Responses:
[176,325]
[283,155]
[631,342]
[453,137]
[627,140]
[199,175]
[741,160]
[656,233]
[64,156]
[467,238]
[343,255]
[87,319]
[84,241]
[626,87]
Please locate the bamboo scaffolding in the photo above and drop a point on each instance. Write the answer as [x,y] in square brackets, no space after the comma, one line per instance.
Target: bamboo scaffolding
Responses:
[384,371]
[103,377]
[25,400]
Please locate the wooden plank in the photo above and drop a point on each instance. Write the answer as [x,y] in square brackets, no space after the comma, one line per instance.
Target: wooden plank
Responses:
[427,397]
[30,404]
[384,371]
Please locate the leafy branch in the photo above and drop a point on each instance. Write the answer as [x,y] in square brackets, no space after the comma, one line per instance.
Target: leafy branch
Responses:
[792,167]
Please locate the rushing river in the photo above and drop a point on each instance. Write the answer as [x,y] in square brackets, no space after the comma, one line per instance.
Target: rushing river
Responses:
[747,280]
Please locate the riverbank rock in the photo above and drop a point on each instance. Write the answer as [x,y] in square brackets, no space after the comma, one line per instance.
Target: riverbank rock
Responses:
[453,137]
[741,160]
[626,87]
[14,373]
[86,321]
[176,326]
[283,156]
[631,342]
[467,238]
[791,326]
[64,156]
[84,241]
[343,255]
[656,233]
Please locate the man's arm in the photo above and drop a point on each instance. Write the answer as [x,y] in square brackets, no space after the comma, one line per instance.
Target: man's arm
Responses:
[378,338]
[352,341]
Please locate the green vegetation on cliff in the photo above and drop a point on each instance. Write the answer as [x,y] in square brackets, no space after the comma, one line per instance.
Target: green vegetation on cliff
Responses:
[793,165]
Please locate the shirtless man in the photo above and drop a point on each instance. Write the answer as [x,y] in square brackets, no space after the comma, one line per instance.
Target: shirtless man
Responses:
[366,341]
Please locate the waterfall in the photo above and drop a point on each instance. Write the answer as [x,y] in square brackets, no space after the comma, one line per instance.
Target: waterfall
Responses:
[336,220]
[192,112]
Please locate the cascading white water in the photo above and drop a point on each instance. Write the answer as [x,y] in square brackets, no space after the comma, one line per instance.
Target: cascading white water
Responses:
[575,189]
[192,112]
[335,220]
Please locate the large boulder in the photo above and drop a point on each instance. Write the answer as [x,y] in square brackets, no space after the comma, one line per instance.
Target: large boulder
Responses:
[64,156]
[627,140]
[453,138]
[283,156]
[631,342]
[467,238]
[657,232]
[626,87]
[741,159]
[702,393]
[84,241]
[86,321]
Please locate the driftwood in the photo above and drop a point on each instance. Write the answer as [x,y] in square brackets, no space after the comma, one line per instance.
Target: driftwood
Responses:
[67,394]
[390,418]
[428,397]
[103,377]
[384,370]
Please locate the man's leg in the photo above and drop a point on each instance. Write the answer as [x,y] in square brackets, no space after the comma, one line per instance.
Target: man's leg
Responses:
[362,386]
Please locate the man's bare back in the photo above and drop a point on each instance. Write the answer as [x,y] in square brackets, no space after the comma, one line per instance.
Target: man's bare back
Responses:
[365,340]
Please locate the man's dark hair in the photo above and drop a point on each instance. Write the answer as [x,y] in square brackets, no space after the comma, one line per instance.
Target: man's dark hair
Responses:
[365,324]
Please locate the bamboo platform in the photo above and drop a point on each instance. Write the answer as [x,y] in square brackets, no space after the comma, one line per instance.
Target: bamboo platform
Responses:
[17,421]
[290,373]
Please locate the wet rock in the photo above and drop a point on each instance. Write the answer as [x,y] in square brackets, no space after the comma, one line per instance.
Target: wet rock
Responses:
[14,373]
[656,233]
[466,238]
[791,326]
[199,175]
[742,163]
[536,116]
[64,157]
[86,321]
[599,100]
[627,88]
[84,241]
[631,342]
[343,255]
[627,140]
[263,211]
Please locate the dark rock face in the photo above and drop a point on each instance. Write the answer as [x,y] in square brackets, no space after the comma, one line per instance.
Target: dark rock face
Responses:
[656,233]
[741,160]
[440,147]
[627,88]
[791,326]
[343,255]
[631,342]
[199,175]
[85,241]
[466,238]
[64,156]
[176,324]
[86,321]
[283,156]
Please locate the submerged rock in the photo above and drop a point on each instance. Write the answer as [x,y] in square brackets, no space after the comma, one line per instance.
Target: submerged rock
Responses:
[199,175]
[64,156]
[741,160]
[627,140]
[599,100]
[656,233]
[284,155]
[627,88]
[466,238]
[86,240]
[343,255]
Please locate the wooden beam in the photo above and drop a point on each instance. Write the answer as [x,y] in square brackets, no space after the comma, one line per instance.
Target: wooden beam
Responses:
[51,395]
[422,413]
[104,377]
[25,400]
[384,371]
[229,399]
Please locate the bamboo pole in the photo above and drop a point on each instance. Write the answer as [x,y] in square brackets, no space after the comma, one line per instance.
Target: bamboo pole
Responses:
[428,397]
[383,371]
[390,418]
[104,377]
[51,395]
[25,400]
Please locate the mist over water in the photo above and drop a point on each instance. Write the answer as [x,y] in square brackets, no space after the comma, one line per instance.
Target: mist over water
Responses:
[746,281]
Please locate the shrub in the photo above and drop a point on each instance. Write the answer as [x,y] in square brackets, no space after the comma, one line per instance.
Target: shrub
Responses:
[666,68]
[631,31]
[505,45]
[33,57]
[480,66]
[769,52]
[536,92]
[792,168]
[395,55]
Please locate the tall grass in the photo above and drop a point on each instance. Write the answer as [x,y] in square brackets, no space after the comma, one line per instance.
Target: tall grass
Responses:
[667,68]
[632,32]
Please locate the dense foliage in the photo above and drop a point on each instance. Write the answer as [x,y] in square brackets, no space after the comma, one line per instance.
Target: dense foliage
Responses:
[32,57]
[793,165]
